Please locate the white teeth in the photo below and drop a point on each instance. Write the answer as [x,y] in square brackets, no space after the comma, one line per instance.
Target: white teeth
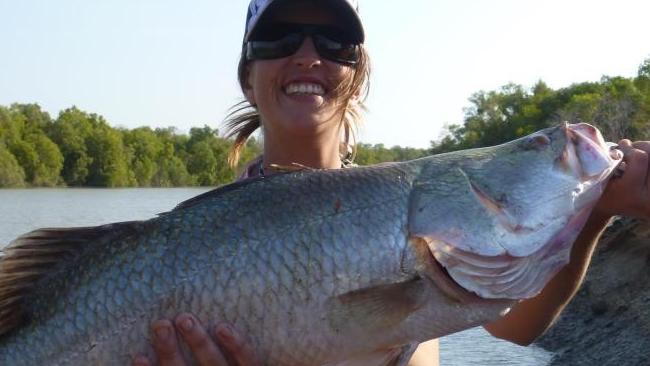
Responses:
[304,88]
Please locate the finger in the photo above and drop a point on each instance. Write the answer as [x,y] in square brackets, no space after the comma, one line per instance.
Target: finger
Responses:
[636,169]
[204,349]
[625,143]
[624,146]
[642,145]
[237,347]
[166,344]
[141,361]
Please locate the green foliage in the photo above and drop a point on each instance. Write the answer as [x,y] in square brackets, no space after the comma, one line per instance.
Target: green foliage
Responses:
[81,149]
[145,150]
[644,69]
[26,157]
[71,132]
[373,154]
[109,167]
[11,173]
[619,106]
[203,163]
[47,171]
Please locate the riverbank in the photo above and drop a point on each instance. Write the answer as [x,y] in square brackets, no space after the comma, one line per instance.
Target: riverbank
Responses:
[608,322]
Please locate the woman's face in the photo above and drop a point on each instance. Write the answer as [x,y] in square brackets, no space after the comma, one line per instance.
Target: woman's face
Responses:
[295,95]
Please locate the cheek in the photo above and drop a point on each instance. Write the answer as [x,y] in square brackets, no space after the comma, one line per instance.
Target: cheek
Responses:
[250,96]
[263,84]
[342,77]
[340,73]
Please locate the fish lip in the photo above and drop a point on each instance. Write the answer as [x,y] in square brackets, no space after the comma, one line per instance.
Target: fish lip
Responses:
[591,137]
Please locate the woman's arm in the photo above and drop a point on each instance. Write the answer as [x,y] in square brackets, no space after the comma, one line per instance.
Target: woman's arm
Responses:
[628,195]
[427,354]
[530,318]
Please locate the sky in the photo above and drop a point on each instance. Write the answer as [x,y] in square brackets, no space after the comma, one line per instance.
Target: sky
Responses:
[166,63]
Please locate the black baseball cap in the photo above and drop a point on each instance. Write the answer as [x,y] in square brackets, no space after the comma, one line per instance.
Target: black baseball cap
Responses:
[347,8]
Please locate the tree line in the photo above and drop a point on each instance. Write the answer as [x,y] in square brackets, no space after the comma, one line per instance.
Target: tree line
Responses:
[618,106]
[81,149]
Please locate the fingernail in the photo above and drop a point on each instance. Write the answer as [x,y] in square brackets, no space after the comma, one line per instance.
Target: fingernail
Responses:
[225,333]
[187,324]
[162,332]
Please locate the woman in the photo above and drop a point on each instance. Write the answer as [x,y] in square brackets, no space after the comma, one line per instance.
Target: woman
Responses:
[303,71]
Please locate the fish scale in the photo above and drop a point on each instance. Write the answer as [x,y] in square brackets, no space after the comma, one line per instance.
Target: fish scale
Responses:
[316,267]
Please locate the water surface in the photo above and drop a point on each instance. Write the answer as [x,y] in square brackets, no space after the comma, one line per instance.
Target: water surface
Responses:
[22,210]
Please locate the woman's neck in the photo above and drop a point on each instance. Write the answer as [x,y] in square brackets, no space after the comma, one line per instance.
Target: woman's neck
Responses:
[319,151]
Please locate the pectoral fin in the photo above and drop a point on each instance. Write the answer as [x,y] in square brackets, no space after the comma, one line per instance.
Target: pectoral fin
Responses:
[376,308]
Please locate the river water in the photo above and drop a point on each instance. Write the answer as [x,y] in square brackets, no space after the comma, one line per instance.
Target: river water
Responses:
[22,210]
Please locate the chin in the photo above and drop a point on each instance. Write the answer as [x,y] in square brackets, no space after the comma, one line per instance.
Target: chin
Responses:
[311,125]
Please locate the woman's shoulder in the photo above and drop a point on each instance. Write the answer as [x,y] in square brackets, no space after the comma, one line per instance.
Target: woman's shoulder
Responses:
[253,169]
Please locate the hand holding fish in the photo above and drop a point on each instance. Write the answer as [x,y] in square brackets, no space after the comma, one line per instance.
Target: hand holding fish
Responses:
[231,347]
[629,195]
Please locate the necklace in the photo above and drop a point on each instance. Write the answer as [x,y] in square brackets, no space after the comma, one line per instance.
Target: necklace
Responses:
[344,164]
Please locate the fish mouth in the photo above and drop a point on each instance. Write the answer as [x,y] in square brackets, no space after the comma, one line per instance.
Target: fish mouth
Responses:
[586,155]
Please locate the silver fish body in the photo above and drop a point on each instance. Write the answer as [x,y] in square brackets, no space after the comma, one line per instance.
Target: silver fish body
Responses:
[316,267]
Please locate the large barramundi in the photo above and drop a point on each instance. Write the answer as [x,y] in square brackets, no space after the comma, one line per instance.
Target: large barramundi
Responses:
[315,266]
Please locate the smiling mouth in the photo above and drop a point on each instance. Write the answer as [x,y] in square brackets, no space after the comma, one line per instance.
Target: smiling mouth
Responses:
[304,89]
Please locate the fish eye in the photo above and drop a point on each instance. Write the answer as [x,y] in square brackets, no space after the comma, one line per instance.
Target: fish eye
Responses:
[538,142]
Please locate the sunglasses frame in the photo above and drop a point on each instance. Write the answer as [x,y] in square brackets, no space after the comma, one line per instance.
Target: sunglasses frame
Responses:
[290,42]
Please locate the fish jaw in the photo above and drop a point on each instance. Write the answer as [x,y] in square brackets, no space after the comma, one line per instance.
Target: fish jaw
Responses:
[589,158]
[509,233]
[593,152]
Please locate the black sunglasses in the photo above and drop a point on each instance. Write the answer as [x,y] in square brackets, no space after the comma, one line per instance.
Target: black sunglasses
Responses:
[278,40]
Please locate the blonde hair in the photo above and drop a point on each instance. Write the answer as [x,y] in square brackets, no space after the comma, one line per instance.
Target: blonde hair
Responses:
[244,118]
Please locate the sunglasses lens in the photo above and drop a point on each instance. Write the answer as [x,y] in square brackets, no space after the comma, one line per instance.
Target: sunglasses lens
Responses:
[347,53]
[266,50]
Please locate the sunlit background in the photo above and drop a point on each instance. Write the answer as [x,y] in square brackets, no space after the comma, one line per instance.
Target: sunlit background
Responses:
[167,63]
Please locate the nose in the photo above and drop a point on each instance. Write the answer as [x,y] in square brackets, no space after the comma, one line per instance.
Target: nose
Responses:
[307,56]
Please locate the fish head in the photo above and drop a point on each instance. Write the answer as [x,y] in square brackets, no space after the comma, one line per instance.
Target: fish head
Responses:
[501,220]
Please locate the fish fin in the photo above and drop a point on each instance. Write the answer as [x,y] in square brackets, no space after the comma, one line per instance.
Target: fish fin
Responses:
[222,190]
[32,256]
[376,308]
[216,192]
[281,170]
[398,356]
